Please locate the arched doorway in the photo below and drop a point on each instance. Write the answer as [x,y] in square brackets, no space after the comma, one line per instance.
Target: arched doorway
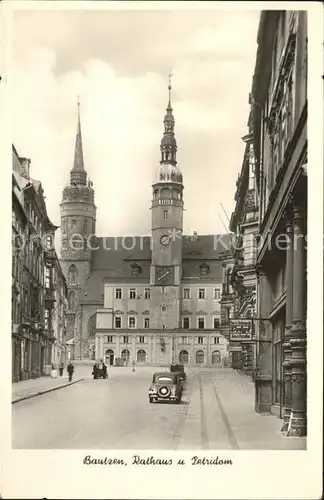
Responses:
[183,357]
[125,355]
[141,356]
[216,358]
[109,357]
[200,357]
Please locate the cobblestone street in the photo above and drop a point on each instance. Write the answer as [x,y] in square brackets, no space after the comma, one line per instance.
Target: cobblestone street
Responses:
[217,412]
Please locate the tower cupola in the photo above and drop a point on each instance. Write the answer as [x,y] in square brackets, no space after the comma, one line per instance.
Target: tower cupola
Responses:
[168,171]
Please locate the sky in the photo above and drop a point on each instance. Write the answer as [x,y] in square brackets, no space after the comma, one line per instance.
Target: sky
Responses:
[118,63]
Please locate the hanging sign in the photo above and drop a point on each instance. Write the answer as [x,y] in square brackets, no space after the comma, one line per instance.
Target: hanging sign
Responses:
[241,330]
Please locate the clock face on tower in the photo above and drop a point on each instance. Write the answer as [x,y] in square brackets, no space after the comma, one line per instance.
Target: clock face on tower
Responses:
[164,275]
[165,240]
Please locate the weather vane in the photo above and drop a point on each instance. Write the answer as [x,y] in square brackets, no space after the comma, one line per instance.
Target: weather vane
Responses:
[170,87]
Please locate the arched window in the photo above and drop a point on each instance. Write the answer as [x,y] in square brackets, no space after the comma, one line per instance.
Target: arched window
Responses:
[125,355]
[200,357]
[183,357]
[156,193]
[92,325]
[141,356]
[73,274]
[72,300]
[216,357]
[74,223]
[175,194]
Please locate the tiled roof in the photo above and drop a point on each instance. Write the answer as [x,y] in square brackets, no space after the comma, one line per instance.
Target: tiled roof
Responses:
[112,261]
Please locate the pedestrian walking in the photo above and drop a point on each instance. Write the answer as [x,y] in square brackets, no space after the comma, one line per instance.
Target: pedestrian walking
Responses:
[70,370]
[61,368]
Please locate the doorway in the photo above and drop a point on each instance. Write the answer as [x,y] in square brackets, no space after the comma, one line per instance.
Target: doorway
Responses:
[109,355]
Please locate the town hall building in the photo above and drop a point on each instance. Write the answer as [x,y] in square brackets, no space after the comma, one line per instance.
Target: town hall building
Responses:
[144,300]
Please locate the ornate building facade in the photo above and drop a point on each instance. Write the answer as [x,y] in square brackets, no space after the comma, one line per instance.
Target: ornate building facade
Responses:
[150,300]
[279,114]
[244,225]
[34,269]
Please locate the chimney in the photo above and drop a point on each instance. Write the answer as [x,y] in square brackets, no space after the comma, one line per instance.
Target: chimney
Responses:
[25,167]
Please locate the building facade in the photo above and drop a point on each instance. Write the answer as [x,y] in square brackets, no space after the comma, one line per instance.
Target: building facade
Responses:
[152,299]
[33,286]
[244,225]
[279,114]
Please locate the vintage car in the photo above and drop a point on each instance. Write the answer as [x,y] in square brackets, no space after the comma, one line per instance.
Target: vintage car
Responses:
[166,386]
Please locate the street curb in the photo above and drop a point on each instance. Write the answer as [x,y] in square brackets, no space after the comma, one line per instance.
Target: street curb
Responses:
[45,391]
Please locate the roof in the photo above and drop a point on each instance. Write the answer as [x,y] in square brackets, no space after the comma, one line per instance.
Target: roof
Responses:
[114,258]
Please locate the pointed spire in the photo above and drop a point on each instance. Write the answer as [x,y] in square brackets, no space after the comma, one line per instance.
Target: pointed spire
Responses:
[78,174]
[168,143]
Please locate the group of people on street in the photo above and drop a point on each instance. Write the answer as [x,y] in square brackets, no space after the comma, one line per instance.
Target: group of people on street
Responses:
[69,368]
[99,370]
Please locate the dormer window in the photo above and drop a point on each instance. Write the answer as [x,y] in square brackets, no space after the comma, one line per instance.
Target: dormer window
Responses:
[204,269]
[136,269]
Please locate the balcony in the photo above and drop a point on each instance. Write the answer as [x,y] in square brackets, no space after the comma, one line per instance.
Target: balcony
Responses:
[49,255]
[49,295]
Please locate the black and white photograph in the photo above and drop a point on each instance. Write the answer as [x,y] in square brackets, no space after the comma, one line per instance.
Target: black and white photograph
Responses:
[162,246]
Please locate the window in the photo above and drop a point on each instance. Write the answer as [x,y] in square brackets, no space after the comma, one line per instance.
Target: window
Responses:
[49,242]
[204,269]
[48,276]
[216,322]
[132,322]
[135,269]
[141,339]
[186,293]
[147,293]
[118,294]
[217,294]
[46,317]
[183,357]
[183,340]
[132,293]
[200,340]
[109,339]
[125,355]
[201,323]
[73,273]
[201,293]
[216,357]
[216,340]
[125,339]
[200,357]
[163,308]
[186,323]
[118,322]
[165,214]
[146,322]
[141,356]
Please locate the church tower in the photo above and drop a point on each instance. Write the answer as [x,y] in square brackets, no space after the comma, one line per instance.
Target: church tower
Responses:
[78,225]
[167,225]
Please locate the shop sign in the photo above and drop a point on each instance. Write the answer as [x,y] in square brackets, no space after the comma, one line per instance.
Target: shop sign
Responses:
[241,330]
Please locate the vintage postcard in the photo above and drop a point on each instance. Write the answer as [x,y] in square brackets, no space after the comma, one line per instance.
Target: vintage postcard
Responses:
[166,254]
